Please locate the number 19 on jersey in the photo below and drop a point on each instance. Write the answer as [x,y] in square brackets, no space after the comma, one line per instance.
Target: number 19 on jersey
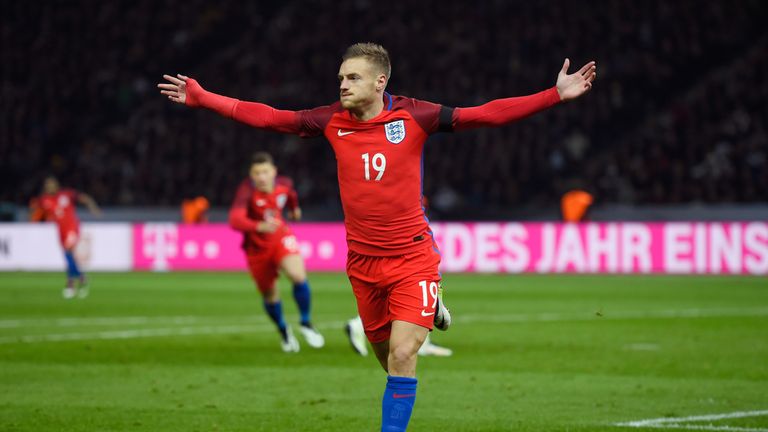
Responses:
[378,162]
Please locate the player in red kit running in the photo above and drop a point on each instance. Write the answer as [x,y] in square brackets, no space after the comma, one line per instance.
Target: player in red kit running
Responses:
[58,205]
[270,246]
[378,139]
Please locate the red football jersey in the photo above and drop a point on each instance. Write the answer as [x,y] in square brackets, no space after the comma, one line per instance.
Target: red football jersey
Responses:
[252,206]
[379,161]
[60,208]
[379,166]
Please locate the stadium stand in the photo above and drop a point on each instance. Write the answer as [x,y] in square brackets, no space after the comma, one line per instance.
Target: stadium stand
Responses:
[676,115]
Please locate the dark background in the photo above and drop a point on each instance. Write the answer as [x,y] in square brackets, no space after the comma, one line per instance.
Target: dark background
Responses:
[677,114]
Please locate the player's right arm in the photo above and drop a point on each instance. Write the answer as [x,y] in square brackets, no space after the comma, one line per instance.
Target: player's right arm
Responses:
[184,90]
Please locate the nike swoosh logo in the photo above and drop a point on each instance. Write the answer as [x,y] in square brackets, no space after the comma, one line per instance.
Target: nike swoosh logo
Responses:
[401,396]
[345,133]
[424,313]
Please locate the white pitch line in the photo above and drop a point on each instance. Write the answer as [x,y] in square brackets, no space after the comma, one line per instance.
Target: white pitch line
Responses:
[107,321]
[678,422]
[213,329]
[144,333]
[129,334]
[511,318]
[661,314]
[706,428]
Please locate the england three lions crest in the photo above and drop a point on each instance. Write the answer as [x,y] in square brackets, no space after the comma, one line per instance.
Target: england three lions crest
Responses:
[395,131]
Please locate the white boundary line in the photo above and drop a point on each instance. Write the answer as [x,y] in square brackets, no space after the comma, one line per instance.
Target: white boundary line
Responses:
[206,326]
[106,321]
[545,316]
[678,422]
[150,332]
[608,315]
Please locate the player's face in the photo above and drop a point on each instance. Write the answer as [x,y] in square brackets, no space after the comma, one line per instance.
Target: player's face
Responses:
[359,83]
[263,176]
[51,185]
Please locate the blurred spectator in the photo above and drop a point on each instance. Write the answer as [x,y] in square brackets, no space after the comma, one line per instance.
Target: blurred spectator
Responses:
[676,115]
[195,210]
[575,205]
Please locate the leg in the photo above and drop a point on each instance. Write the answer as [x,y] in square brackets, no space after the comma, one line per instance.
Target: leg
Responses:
[292,265]
[373,321]
[395,355]
[400,393]
[272,305]
[356,335]
[381,349]
[404,343]
[413,300]
[68,242]
[264,275]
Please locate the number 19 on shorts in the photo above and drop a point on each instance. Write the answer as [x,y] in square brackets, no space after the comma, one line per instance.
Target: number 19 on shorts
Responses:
[427,293]
[378,162]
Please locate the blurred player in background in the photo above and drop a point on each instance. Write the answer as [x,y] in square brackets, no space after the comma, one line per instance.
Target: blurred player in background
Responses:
[270,246]
[378,140]
[59,205]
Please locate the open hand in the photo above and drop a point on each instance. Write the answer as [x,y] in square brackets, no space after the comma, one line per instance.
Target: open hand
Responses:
[176,90]
[571,86]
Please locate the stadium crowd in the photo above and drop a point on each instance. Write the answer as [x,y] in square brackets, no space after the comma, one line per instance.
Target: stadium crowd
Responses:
[676,115]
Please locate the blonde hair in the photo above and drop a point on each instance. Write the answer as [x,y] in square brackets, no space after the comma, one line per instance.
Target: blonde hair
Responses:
[374,53]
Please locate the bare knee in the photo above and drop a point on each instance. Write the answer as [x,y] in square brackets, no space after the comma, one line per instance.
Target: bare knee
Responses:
[402,360]
[271,296]
[402,354]
[297,277]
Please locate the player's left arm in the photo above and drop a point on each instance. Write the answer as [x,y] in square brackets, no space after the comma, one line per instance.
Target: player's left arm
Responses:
[89,203]
[295,214]
[294,211]
[292,198]
[503,111]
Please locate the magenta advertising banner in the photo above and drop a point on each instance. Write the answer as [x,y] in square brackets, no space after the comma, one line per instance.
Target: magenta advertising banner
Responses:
[498,247]
[162,247]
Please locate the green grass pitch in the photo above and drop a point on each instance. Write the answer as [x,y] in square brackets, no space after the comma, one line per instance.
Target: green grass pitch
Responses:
[194,352]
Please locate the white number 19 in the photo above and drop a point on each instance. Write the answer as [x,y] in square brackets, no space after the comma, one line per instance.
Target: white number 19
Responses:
[379,163]
[433,291]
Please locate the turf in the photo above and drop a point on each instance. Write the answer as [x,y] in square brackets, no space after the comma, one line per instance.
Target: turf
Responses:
[194,352]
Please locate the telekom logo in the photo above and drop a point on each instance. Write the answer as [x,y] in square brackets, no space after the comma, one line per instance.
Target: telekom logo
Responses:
[160,244]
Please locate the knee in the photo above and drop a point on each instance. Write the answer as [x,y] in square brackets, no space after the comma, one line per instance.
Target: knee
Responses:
[402,356]
[297,277]
[271,296]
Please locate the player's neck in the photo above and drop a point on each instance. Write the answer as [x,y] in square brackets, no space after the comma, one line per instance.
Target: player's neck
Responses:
[369,111]
[266,190]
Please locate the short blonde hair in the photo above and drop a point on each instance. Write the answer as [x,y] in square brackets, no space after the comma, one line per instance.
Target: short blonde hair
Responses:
[374,53]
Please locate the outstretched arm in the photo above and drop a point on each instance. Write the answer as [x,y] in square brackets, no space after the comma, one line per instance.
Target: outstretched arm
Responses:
[502,111]
[572,86]
[185,90]
[90,203]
